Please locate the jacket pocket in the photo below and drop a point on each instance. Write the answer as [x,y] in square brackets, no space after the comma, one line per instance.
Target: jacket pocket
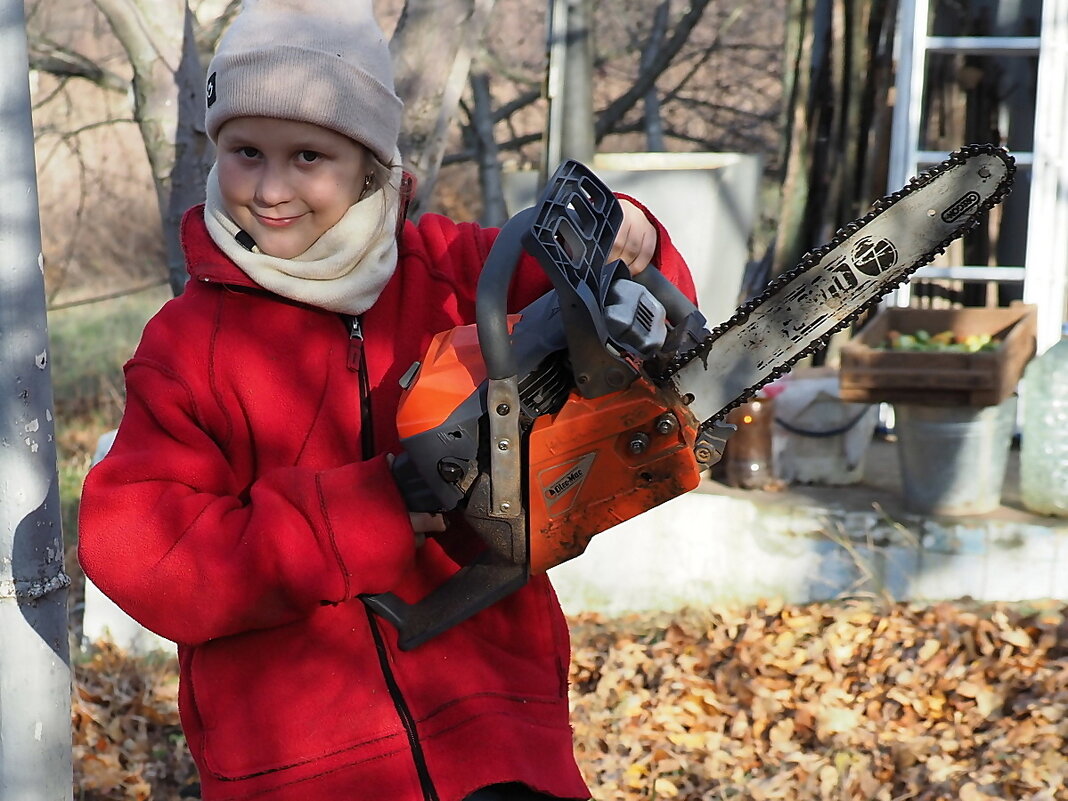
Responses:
[289,696]
[516,651]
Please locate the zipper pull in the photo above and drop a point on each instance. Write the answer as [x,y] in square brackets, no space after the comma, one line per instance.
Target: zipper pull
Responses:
[355,344]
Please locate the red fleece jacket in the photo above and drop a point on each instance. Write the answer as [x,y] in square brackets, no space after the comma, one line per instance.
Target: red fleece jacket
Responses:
[236,515]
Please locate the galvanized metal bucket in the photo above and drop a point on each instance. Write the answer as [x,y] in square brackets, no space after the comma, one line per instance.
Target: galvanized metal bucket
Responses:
[953,458]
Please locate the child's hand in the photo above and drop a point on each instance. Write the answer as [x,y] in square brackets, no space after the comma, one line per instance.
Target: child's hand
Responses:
[424,523]
[636,241]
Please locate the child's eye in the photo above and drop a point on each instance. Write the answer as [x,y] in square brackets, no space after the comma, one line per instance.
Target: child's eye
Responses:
[309,156]
[248,152]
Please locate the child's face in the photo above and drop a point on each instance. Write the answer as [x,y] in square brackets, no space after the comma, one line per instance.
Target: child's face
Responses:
[285,182]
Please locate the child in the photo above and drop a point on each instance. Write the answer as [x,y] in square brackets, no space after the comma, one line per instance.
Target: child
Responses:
[248,500]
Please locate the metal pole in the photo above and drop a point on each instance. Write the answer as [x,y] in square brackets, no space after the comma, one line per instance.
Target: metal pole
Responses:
[569,85]
[35,676]
[578,82]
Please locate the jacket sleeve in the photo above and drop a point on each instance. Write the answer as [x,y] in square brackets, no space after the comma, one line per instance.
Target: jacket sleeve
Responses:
[167,532]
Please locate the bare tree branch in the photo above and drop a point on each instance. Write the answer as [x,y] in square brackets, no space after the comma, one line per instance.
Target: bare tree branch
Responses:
[611,116]
[470,154]
[209,33]
[508,109]
[494,209]
[159,39]
[53,59]
[143,27]
[654,127]
[705,55]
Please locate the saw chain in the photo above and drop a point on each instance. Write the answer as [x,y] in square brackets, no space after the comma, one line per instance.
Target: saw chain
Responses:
[798,312]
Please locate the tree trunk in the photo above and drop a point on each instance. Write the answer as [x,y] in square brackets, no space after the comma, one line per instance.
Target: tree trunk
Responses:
[654,127]
[432,48]
[35,754]
[494,209]
[168,106]
[838,91]
[569,130]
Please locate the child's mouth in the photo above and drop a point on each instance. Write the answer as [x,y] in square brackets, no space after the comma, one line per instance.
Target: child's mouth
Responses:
[277,222]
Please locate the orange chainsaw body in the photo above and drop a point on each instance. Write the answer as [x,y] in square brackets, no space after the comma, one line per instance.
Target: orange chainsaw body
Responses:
[600,461]
[450,373]
[587,467]
[538,431]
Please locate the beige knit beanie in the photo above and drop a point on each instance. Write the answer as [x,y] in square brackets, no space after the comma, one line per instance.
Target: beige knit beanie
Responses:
[325,62]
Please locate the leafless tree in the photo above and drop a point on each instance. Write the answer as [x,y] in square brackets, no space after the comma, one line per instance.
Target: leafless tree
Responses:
[704,74]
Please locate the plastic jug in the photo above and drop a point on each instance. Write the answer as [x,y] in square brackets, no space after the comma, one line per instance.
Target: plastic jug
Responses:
[1044,436]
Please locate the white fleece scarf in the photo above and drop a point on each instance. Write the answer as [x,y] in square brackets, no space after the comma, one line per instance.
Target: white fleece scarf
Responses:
[345,269]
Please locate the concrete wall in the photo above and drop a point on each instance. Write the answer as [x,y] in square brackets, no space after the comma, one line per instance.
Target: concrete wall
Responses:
[717,545]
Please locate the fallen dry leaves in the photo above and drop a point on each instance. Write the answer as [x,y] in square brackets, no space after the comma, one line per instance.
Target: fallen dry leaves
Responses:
[828,702]
[128,743]
[852,700]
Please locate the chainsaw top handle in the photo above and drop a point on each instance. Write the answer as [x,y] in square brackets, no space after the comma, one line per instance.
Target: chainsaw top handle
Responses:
[571,233]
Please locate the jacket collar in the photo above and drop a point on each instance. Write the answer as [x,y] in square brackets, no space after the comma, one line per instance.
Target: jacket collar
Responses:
[203,258]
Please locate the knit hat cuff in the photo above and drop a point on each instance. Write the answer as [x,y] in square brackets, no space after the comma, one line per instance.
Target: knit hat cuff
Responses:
[304,85]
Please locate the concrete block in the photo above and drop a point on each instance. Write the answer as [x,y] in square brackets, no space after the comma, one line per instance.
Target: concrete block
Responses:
[104,621]
[944,576]
[953,538]
[1021,563]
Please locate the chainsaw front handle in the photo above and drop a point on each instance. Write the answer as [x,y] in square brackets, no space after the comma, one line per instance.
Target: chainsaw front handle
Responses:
[491,301]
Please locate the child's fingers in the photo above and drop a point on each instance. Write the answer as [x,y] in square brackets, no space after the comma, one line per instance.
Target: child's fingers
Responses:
[635,243]
[426,523]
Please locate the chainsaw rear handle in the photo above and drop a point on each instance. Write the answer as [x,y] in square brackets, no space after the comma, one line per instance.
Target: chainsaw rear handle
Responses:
[470,590]
[675,303]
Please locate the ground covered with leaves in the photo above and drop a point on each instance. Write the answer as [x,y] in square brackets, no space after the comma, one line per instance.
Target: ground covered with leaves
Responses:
[850,700]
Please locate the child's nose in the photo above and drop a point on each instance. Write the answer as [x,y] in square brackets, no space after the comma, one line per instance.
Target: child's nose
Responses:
[273,187]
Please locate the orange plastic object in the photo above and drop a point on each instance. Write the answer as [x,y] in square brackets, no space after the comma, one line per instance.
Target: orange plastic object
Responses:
[450,372]
[600,461]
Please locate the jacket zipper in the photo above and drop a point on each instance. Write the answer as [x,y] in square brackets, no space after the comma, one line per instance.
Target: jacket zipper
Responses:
[357,360]
[405,714]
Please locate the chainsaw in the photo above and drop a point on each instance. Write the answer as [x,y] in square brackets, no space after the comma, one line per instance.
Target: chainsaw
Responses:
[608,396]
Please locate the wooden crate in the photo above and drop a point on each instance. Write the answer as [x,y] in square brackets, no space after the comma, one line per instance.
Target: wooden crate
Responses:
[869,374]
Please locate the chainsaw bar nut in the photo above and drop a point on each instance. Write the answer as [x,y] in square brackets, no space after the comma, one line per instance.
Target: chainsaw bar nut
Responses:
[639,443]
[667,424]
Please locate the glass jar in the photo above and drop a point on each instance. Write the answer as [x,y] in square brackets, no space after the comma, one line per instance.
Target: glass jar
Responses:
[747,457]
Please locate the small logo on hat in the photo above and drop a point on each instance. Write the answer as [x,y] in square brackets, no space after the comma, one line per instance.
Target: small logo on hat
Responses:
[210,91]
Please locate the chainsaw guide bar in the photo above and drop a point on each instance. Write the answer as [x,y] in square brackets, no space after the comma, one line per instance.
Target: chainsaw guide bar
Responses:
[798,312]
